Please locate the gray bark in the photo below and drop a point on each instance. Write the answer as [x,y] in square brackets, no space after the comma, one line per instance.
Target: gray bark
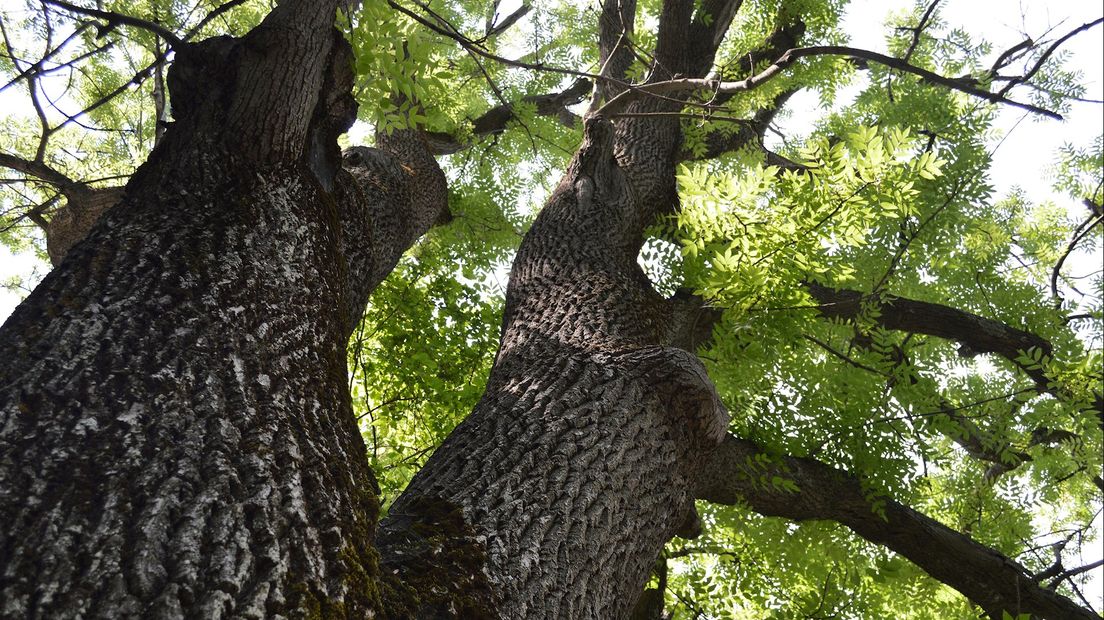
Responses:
[176,436]
[576,466]
[578,463]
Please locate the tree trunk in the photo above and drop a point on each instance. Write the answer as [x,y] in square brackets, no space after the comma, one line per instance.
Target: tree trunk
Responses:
[577,465]
[176,434]
[579,462]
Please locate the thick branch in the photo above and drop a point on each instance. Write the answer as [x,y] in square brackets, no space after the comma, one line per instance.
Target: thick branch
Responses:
[40,171]
[988,578]
[977,333]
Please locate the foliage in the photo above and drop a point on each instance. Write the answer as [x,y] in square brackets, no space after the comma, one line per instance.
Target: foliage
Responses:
[893,199]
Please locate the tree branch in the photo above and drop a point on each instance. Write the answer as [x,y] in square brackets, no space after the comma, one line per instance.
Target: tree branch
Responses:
[719,87]
[40,171]
[1047,54]
[1078,235]
[977,333]
[995,582]
[113,19]
[494,29]
[496,119]
[919,28]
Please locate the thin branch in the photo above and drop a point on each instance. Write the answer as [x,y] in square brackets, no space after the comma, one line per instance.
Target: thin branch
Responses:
[843,356]
[919,28]
[1084,229]
[38,66]
[494,30]
[1073,572]
[1046,55]
[211,16]
[683,84]
[1007,56]
[113,19]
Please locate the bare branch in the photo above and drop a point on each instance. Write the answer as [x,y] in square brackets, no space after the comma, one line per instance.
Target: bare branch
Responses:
[716,86]
[1008,55]
[113,19]
[1047,54]
[493,29]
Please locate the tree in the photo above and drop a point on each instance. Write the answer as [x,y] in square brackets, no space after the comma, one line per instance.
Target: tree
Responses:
[179,434]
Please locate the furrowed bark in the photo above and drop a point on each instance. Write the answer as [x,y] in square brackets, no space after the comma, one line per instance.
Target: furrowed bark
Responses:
[176,435]
[588,422]
[991,580]
[591,420]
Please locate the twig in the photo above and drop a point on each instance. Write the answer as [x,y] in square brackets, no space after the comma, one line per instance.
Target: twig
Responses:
[1079,234]
[1050,50]
[920,28]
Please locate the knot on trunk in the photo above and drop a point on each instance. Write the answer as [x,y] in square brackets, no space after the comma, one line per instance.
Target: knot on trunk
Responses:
[682,384]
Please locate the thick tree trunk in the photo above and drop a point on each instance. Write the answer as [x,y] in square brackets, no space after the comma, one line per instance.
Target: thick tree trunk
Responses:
[577,465]
[176,436]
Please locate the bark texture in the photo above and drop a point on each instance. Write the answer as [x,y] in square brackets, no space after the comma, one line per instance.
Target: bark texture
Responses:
[176,436]
[575,467]
[72,222]
[578,463]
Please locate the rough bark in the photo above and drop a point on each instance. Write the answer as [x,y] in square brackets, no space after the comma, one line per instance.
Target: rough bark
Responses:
[588,423]
[577,465]
[72,222]
[176,436]
[988,578]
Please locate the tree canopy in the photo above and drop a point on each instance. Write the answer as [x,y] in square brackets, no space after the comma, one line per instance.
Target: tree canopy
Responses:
[895,340]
